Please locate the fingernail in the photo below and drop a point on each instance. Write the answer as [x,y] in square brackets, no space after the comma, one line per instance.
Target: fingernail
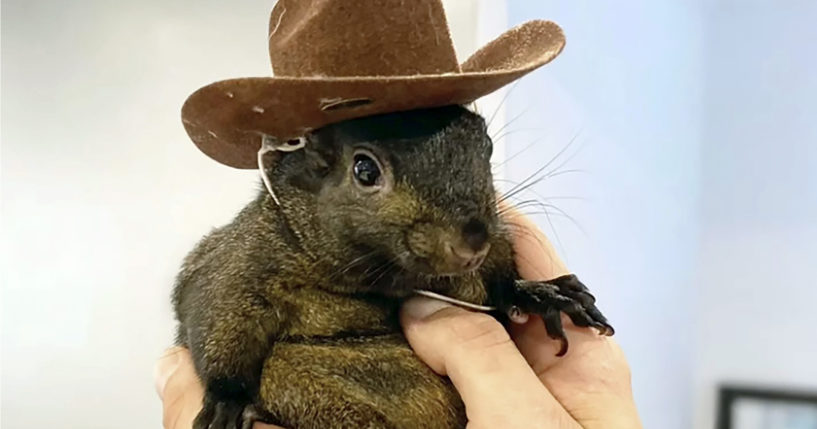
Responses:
[165,367]
[516,315]
[420,308]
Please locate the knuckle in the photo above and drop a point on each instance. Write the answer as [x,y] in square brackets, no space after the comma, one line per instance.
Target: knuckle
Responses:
[171,410]
[623,367]
[616,356]
[613,369]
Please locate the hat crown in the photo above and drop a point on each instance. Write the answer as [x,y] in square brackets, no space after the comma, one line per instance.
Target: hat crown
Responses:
[343,38]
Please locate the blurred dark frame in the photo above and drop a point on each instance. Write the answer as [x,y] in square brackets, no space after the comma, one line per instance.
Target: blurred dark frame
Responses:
[728,395]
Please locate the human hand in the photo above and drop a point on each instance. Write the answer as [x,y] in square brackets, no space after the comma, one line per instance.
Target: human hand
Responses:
[516,380]
[180,390]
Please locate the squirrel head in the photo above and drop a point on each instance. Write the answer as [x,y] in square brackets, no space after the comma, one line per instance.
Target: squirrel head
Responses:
[412,189]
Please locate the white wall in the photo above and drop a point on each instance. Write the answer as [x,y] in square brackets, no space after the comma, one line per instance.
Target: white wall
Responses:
[627,87]
[103,193]
[696,126]
[758,262]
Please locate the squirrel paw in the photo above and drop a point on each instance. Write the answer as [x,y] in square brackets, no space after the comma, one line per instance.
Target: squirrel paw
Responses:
[227,415]
[563,294]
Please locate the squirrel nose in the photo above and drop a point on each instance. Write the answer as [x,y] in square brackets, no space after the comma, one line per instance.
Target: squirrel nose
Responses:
[465,258]
[475,234]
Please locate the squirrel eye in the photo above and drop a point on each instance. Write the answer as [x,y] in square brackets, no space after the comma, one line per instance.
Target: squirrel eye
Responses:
[366,170]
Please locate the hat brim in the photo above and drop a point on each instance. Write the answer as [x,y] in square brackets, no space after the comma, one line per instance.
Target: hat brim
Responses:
[228,119]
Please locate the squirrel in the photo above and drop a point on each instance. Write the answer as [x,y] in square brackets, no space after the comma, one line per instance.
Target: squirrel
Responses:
[290,310]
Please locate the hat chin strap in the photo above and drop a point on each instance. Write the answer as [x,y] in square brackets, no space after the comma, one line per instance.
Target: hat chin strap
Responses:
[457,302]
[270,144]
[265,148]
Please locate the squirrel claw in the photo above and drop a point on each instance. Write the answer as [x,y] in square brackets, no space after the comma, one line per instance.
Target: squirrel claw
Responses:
[565,294]
[227,415]
[253,414]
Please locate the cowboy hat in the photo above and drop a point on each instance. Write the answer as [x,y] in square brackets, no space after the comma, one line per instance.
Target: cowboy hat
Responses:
[341,59]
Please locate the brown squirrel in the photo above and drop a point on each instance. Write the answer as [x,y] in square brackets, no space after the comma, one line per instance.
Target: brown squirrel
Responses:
[290,311]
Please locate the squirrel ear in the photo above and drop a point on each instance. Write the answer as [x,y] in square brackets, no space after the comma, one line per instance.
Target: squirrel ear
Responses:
[317,163]
[317,155]
[273,150]
[321,152]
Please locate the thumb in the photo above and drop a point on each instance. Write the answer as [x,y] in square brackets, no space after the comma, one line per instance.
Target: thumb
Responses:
[474,350]
[178,387]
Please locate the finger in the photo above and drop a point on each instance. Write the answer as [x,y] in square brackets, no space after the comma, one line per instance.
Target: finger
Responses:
[498,387]
[165,367]
[540,351]
[179,388]
[536,259]
[592,381]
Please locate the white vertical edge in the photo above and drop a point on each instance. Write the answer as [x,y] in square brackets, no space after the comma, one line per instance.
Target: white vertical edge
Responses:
[492,20]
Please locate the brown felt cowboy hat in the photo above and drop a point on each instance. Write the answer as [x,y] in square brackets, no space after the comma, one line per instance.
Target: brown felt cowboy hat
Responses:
[340,59]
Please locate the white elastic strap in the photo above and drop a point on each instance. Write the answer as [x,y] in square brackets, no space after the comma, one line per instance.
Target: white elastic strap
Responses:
[454,301]
[261,152]
[269,144]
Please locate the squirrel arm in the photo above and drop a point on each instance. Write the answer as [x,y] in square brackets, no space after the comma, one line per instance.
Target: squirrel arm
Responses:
[229,340]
